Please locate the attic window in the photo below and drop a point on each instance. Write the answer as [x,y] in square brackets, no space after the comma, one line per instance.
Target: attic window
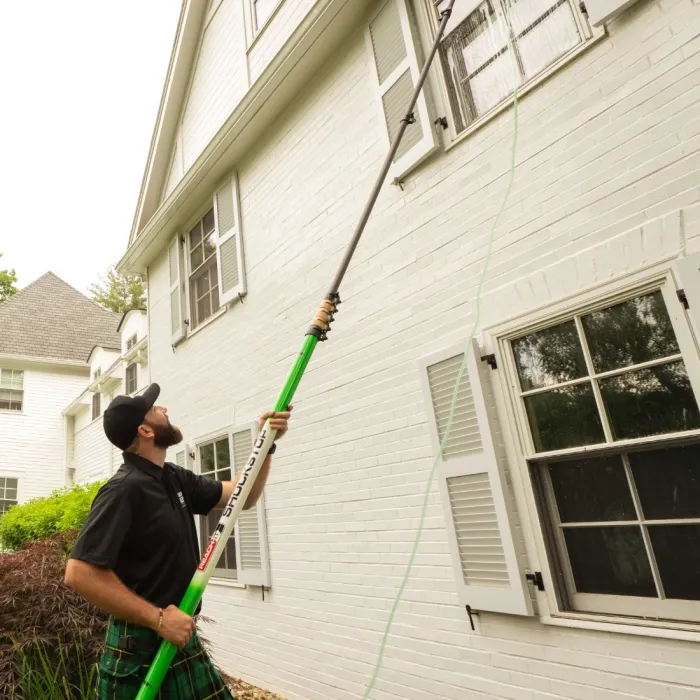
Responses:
[131,342]
[262,9]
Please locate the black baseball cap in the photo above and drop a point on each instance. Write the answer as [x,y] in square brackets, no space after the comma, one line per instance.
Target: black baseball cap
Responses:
[125,414]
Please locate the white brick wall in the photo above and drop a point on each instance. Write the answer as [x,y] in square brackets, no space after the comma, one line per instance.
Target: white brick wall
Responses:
[609,155]
[31,443]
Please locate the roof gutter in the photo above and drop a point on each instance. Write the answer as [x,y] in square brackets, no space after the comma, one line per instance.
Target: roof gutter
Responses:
[319,34]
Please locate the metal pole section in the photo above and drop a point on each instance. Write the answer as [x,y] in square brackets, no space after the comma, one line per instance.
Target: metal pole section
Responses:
[317,332]
[408,119]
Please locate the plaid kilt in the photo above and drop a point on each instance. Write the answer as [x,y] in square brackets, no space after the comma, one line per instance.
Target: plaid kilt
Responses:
[191,676]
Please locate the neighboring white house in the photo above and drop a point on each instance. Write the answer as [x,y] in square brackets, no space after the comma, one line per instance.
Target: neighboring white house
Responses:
[566,512]
[113,371]
[46,332]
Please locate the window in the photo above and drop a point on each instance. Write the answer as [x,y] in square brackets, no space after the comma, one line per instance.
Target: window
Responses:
[475,55]
[131,379]
[8,493]
[11,389]
[96,408]
[262,9]
[204,286]
[215,464]
[131,342]
[622,507]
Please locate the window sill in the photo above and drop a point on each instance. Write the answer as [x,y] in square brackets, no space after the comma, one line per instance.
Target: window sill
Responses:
[642,628]
[532,85]
[8,412]
[265,24]
[225,583]
[204,324]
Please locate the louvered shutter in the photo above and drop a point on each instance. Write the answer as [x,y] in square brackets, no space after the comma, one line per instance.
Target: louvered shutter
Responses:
[478,511]
[251,534]
[175,265]
[392,42]
[229,248]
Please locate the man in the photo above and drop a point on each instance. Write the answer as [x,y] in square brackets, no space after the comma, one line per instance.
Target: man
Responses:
[138,550]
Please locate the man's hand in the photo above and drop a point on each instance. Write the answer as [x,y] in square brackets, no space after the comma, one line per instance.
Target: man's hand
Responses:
[279,421]
[177,626]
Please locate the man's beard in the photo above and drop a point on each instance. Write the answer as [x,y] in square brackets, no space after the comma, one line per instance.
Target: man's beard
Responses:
[165,436]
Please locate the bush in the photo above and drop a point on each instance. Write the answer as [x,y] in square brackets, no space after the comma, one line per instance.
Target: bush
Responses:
[63,510]
[45,627]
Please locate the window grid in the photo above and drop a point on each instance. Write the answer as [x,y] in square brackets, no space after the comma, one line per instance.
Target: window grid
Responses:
[215,463]
[464,59]
[648,597]
[11,389]
[8,493]
[96,407]
[131,378]
[131,342]
[204,285]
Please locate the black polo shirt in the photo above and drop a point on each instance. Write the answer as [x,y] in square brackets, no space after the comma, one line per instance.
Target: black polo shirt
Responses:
[141,525]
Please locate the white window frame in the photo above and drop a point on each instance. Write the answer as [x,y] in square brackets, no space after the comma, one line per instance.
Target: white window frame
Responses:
[96,403]
[553,603]
[17,478]
[131,341]
[228,575]
[133,365]
[21,410]
[212,262]
[429,24]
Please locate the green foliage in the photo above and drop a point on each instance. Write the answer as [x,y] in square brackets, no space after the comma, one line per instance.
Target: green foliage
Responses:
[47,673]
[7,283]
[41,518]
[119,293]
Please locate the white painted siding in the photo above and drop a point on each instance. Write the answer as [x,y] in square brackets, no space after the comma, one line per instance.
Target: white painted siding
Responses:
[31,443]
[608,145]
[91,453]
[102,359]
[219,82]
[274,35]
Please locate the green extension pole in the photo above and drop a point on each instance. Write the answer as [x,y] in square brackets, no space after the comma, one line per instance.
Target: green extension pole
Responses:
[317,332]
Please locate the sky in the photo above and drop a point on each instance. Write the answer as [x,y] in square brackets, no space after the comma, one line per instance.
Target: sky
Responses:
[80,86]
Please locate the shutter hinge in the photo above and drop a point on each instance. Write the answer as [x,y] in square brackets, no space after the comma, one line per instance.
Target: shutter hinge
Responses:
[441,121]
[536,580]
[582,7]
[683,298]
[182,240]
[490,360]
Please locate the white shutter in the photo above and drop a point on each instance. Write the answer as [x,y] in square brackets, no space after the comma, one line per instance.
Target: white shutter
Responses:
[229,246]
[480,523]
[175,264]
[252,558]
[393,41]
[602,11]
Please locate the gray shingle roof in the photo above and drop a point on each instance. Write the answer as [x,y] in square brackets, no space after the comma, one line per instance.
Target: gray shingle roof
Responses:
[50,319]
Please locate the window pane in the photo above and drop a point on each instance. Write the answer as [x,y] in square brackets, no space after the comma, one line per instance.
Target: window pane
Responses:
[549,357]
[196,257]
[224,475]
[208,222]
[678,558]
[592,490]
[609,560]
[11,494]
[223,459]
[5,506]
[549,32]
[650,402]
[206,458]
[195,236]
[564,417]
[231,554]
[668,482]
[6,379]
[203,310]
[627,334]
[209,247]
[202,285]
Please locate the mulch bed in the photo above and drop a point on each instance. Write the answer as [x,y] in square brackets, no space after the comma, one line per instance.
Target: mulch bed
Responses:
[245,691]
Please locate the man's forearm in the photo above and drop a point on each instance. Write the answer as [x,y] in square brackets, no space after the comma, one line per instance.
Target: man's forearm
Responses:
[102,588]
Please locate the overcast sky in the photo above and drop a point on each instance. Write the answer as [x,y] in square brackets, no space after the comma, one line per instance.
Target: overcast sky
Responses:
[81,83]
